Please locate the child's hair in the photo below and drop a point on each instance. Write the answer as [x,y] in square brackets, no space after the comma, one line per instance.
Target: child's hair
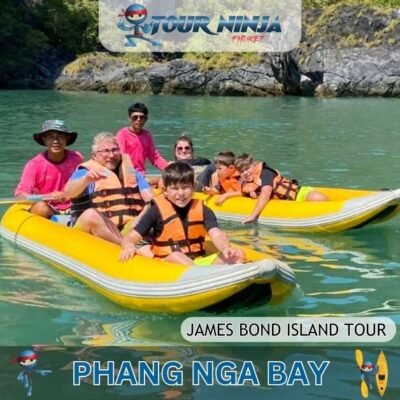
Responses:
[226,158]
[244,161]
[138,107]
[178,172]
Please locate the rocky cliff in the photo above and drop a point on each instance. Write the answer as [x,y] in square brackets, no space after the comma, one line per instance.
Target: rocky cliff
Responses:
[344,51]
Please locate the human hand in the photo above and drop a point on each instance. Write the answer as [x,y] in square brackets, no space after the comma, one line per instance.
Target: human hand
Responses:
[233,255]
[253,195]
[58,196]
[209,191]
[96,174]
[128,252]
[220,199]
[249,220]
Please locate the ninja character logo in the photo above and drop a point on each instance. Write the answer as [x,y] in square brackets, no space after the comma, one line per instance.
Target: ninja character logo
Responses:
[28,360]
[132,21]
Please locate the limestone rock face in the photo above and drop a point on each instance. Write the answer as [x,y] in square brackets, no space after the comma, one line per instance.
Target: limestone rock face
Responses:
[344,51]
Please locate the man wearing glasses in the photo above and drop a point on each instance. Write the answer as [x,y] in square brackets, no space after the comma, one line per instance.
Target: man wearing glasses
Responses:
[108,195]
[138,142]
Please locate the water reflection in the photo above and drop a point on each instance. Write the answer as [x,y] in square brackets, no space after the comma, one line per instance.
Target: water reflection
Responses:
[26,281]
[338,275]
[352,273]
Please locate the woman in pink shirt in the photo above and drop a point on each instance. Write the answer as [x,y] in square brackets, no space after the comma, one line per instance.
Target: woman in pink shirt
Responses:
[138,142]
[48,172]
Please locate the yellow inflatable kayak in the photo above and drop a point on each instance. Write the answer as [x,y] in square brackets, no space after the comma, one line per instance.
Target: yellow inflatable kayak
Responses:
[147,284]
[346,209]
[382,375]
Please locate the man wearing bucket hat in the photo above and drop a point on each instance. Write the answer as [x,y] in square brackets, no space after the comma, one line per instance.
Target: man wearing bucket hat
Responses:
[48,172]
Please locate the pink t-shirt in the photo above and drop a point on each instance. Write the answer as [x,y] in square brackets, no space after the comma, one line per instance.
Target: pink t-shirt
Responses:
[140,148]
[40,176]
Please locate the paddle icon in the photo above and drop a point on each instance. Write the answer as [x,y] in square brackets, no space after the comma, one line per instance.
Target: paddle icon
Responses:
[368,371]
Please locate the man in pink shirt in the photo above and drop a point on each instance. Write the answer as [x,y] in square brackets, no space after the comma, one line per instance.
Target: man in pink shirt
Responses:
[48,172]
[138,142]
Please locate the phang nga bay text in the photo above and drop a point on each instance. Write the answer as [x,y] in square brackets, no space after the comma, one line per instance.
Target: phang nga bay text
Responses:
[234,24]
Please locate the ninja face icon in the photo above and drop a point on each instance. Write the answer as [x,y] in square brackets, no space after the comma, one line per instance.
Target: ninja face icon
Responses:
[27,359]
[136,14]
[132,23]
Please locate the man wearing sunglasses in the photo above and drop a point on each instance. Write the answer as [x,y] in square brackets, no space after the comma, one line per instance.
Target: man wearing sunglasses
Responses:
[108,195]
[138,142]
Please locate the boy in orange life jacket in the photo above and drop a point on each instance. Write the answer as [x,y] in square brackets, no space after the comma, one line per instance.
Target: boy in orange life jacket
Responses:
[180,224]
[260,181]
[226,179]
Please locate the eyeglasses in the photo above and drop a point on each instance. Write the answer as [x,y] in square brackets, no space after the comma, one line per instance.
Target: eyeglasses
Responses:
[138,116]
[107,152]
[181,148]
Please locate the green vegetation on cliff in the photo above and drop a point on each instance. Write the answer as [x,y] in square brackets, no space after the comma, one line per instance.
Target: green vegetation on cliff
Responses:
[39,36]
[40,32]
[376,3]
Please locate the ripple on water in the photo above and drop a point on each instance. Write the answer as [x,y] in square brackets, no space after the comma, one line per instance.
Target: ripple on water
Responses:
[26,281]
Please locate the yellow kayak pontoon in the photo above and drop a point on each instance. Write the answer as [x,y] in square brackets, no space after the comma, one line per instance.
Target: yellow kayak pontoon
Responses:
[346,209]
[148,284]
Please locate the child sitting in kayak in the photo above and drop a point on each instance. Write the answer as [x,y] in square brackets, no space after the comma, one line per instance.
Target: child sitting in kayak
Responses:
[261,182]
[180,225]
[225,181]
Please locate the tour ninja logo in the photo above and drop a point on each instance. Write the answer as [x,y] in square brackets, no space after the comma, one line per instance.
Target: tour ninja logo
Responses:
[371,373]
[28,361]
[178,25]
[132,21]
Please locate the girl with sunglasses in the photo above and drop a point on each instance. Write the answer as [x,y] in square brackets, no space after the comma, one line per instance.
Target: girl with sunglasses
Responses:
[183,151]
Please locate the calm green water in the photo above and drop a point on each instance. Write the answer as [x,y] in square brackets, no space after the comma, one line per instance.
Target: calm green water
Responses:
[333,142]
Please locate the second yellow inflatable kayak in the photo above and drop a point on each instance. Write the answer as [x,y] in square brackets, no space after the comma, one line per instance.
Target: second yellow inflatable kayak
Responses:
[346,209]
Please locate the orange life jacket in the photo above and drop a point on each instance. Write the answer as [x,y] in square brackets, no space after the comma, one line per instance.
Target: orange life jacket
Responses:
[230,183]
[174,236]
[118,201]
[282,188]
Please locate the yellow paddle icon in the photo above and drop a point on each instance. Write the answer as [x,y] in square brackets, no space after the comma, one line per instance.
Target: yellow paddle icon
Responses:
[368,371]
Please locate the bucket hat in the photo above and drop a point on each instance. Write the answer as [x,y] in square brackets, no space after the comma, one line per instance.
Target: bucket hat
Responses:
[55,125]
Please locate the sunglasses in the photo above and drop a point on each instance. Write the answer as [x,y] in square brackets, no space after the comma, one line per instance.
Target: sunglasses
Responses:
[181,148]
[137,117]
